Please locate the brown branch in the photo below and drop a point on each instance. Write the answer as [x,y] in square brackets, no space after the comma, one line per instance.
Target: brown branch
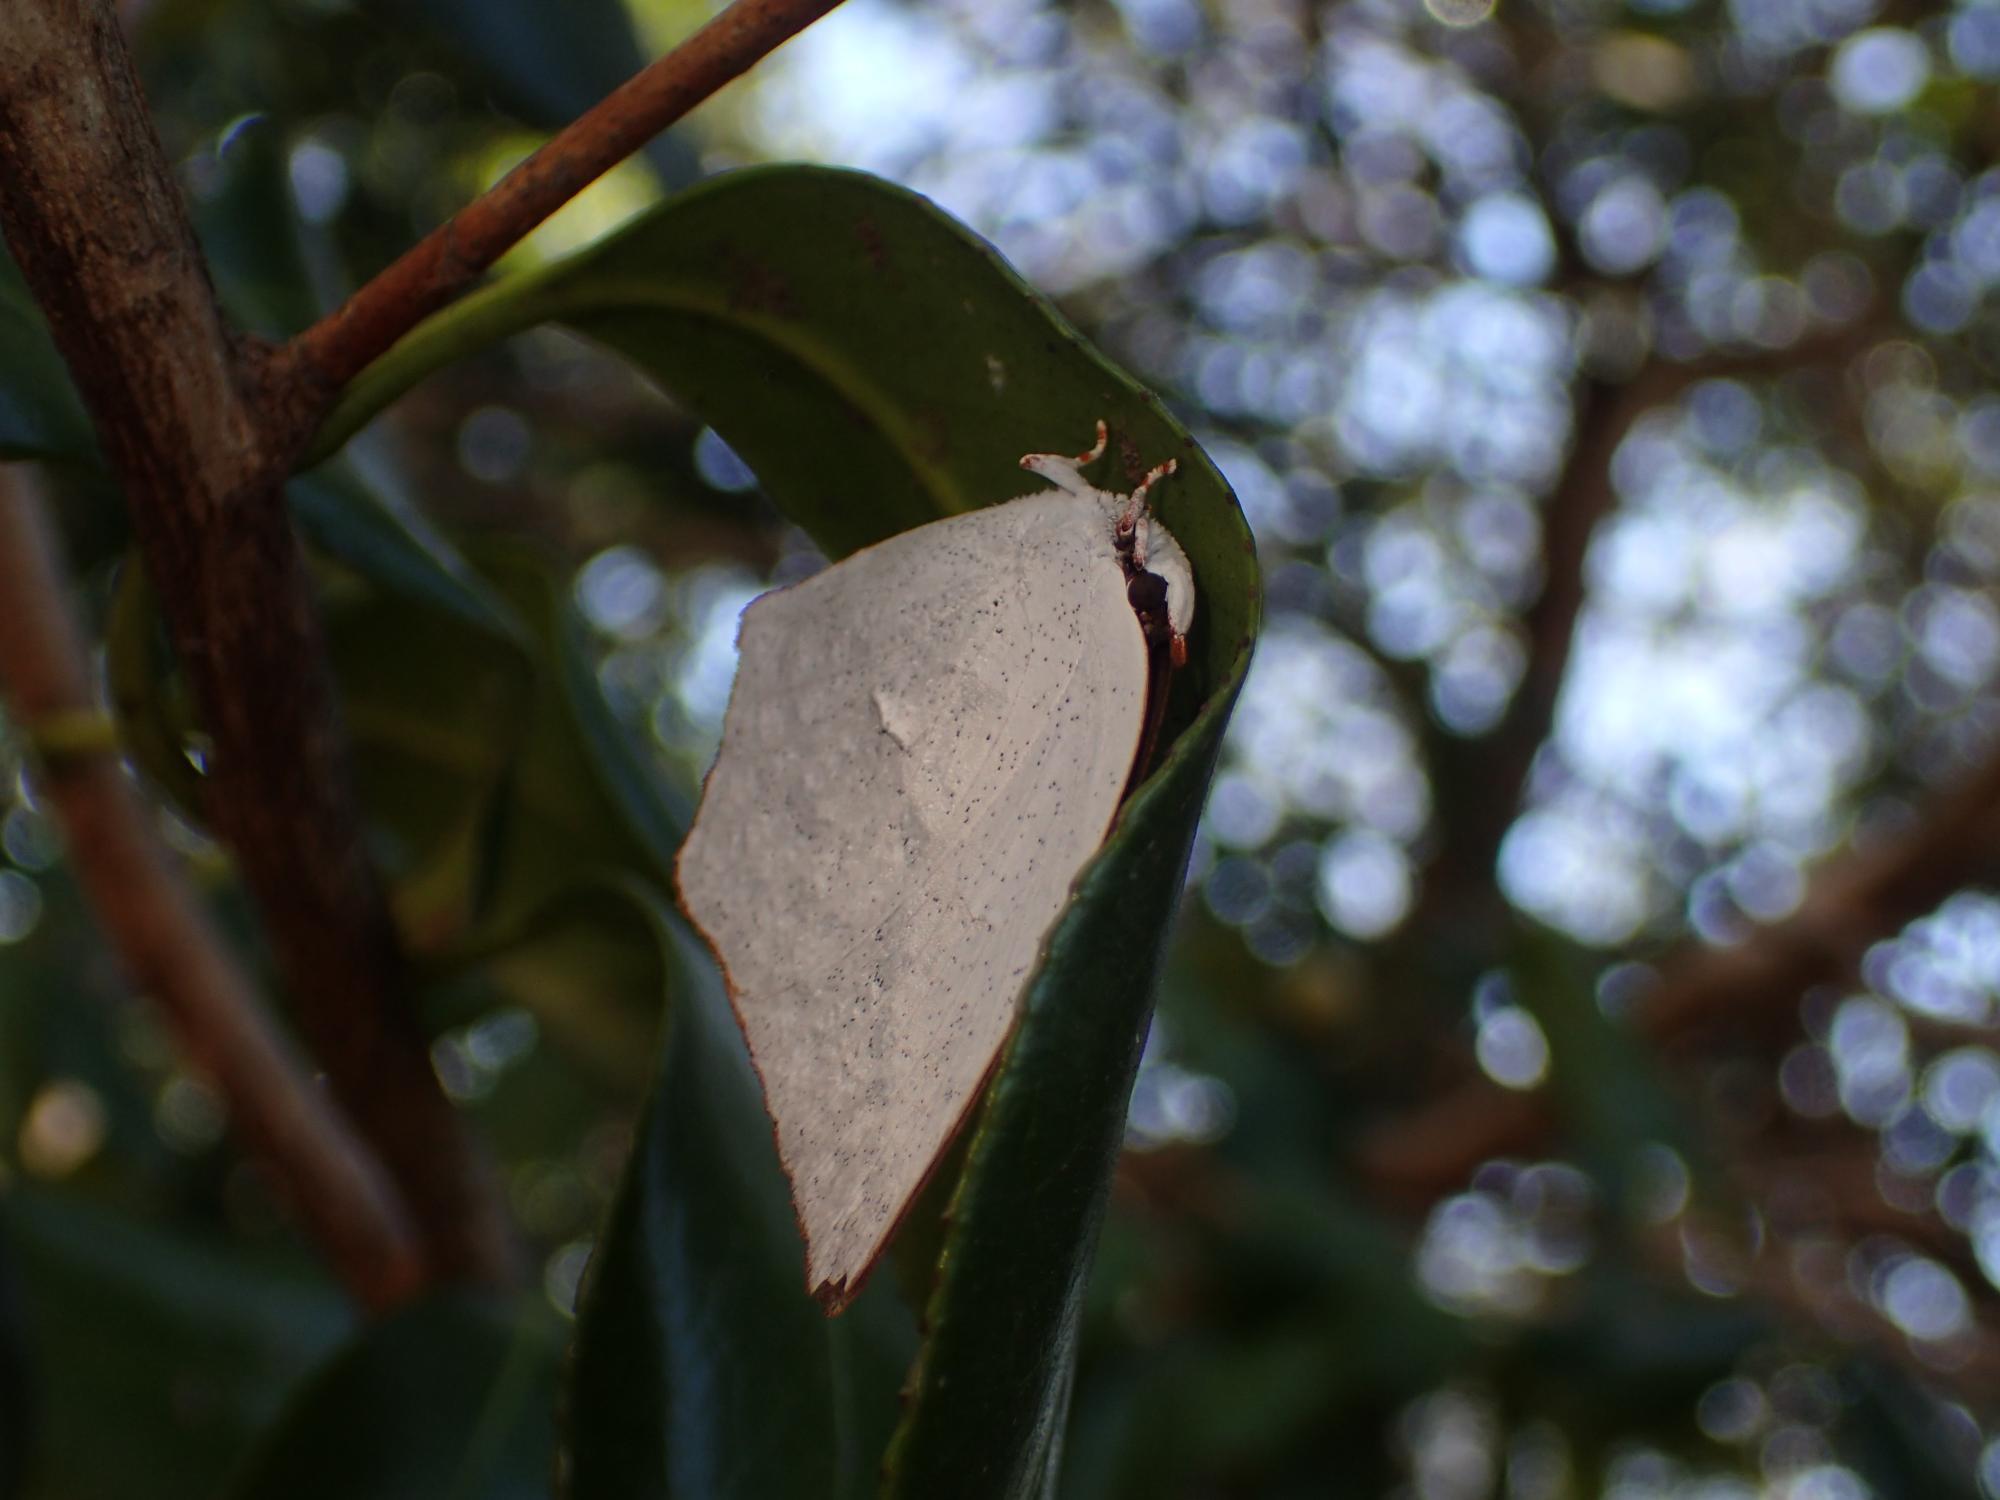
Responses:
[1834,1191]
[1493,770]
[1489,775]
[449,259]
[169,949]
[187,421]
[1751,988]
[1805,1280]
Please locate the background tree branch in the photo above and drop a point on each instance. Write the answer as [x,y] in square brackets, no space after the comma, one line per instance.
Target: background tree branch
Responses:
[1490,773]
[1747,990]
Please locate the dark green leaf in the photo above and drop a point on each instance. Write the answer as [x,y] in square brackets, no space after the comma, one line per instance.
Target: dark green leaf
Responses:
[17,1389]
[420,590]
[1605,1082]
[436,713]
[586,962]
[148,696]
[656,811]
[578,800]
[40,414]
[555,809]
[450,1399]
[548,63]
[154,1358]
[250,234]
[395,548]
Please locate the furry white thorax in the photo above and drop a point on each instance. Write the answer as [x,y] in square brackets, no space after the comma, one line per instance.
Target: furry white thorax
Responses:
[1154,549]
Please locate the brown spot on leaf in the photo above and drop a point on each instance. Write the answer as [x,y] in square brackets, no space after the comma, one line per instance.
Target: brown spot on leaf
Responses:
[753,286]
[876,250]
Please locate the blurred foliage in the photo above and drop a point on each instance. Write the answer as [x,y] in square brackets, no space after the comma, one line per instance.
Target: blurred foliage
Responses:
[1425,1193]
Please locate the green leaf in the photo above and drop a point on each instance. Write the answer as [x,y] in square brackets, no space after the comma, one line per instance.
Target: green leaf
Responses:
[252,238]
[149,698]
[586,962]
[546,63]
[394,547]
[544,812]
[435,734]
[701,1368]
[41,415]
[1614,1099]
[422,590]
[17,1397]
[655,811]
[449,1399]
[190,1347]
[581,796]
[880,367]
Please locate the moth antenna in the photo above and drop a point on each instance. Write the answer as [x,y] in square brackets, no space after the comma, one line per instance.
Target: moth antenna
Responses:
[1062,469]
[1097,448]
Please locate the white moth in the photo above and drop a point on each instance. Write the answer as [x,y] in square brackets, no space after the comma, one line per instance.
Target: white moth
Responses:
[924,745]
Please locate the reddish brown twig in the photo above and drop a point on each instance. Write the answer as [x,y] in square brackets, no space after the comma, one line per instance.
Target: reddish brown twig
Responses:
[446,261]
[169,949]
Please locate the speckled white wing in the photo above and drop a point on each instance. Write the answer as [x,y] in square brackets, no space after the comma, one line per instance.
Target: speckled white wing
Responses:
[924,745]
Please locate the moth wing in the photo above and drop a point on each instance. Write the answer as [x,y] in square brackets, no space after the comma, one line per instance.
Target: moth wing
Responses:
[924,745]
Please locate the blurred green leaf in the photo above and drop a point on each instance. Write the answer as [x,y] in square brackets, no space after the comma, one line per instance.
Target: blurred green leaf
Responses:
[1901,1442]
[17,1392]
[1614,1101]
[1307,1311]
[586,962]
[580,796]
[543,808]
[396,548]
[548,63]
[250,233]
[655,810]
[435,713]
[41,415]
[155,1358]
[448,1399]
[149,698]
